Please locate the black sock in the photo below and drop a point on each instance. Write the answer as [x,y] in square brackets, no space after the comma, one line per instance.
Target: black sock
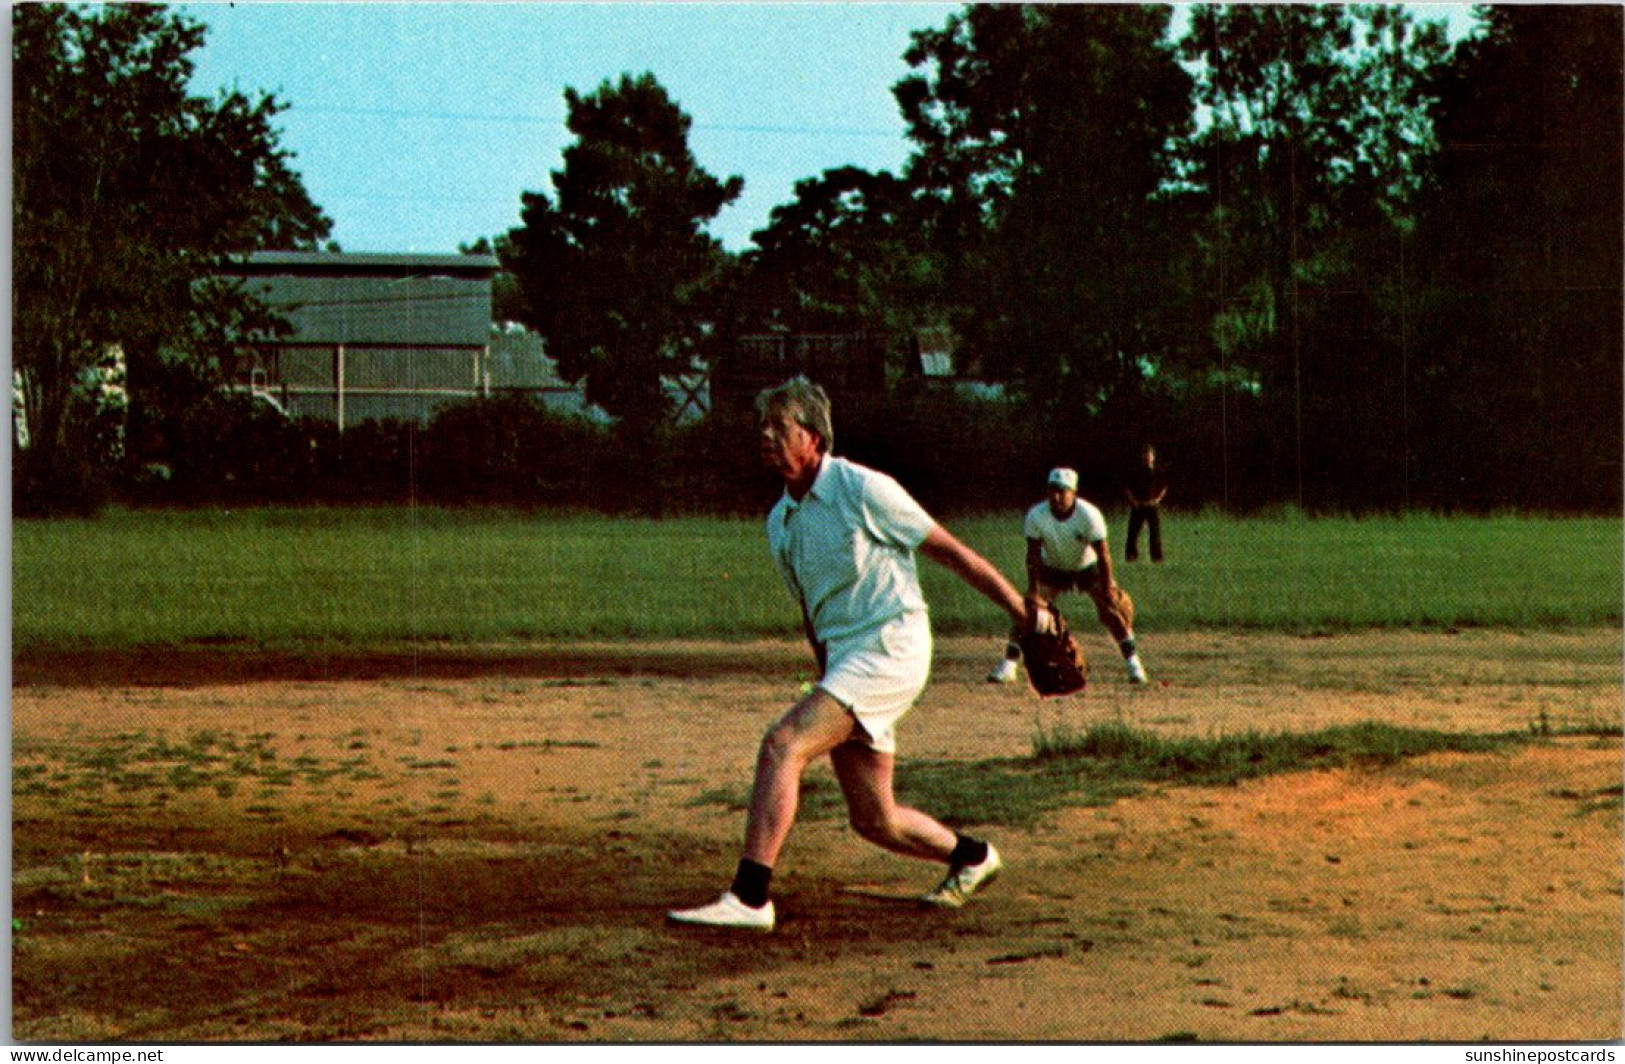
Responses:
[750,883]
[1127,647]
[1012,651]
[967,851]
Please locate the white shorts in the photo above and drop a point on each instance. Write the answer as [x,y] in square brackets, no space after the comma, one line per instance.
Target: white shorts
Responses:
[880,674]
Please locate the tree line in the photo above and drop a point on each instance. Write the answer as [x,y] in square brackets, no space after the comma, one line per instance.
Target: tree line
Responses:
[1319,255]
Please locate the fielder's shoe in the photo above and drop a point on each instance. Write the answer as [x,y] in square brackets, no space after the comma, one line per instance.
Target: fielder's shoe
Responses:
[961,883]
[1136,671]
[726,911]
[1003,672]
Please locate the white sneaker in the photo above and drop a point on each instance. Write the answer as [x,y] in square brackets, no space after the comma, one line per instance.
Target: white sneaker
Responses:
[961,883]
[1003,672]
[727,911]
[1136,671]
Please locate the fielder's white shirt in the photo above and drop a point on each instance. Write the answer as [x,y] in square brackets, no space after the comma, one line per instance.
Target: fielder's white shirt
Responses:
[1067,544]
[846,550]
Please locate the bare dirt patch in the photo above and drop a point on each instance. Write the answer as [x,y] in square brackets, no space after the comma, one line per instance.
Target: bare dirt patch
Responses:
[479,845]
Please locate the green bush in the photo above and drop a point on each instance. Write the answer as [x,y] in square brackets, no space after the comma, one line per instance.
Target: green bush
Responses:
[509,451]
[70,488]
[230,449]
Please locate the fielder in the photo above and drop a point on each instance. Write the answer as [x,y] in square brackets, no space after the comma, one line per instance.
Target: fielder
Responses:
[844,538]
[1066,551]
[1147,487]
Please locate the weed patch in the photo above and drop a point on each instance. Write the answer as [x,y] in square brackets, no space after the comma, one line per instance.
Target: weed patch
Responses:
[1109,762]
[127,763]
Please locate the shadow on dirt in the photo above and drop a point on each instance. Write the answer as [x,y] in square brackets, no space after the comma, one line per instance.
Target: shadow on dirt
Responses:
[334,941]
[211,664]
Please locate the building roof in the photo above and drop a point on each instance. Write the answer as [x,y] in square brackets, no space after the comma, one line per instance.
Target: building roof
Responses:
[347,262]
[374,299]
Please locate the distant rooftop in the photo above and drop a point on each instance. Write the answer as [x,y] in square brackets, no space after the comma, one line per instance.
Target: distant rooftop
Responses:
[374,299]
[346,261]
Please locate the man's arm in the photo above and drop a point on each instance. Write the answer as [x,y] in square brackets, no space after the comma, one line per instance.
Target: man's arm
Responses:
[1103,559]
[941,546]
[1035,562]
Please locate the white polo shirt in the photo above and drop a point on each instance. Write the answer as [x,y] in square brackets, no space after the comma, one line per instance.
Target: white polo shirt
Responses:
[846,550]
[1068,544]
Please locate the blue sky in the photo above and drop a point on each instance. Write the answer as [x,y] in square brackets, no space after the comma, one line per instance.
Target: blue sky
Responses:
[417,126]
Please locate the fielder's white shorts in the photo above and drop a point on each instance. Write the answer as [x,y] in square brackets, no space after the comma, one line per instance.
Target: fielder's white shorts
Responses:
[880,674]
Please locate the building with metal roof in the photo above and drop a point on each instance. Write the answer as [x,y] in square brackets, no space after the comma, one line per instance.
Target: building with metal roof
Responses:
[374,335]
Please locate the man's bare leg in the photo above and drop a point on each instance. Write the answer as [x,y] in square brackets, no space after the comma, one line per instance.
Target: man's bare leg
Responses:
[866,780]
[812,728]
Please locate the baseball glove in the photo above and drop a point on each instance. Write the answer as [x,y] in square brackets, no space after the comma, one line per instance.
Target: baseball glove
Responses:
[1055,663]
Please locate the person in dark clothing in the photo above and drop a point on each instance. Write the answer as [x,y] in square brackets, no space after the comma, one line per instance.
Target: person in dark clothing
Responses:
[1146,489]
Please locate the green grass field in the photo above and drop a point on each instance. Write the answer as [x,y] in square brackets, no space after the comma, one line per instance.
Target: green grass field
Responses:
[293,576]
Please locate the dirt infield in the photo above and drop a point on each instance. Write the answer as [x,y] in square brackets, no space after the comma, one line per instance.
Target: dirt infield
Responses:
[479,846]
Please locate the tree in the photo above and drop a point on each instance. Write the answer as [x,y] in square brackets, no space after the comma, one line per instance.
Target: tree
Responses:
[846,255]
[128,191]
[613,270]
[1039,135]
[1521,266]
[1317,136]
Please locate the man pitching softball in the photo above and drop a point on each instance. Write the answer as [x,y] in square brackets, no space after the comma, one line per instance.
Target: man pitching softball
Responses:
[844,538]
[1066,550]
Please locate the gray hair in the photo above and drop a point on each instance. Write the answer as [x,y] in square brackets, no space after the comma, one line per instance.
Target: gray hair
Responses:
[803,402]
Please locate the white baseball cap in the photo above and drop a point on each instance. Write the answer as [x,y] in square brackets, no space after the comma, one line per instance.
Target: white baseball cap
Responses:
[1064,478]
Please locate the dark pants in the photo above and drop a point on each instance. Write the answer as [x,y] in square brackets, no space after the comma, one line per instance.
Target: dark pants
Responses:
[1051,582]
[1151,518]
